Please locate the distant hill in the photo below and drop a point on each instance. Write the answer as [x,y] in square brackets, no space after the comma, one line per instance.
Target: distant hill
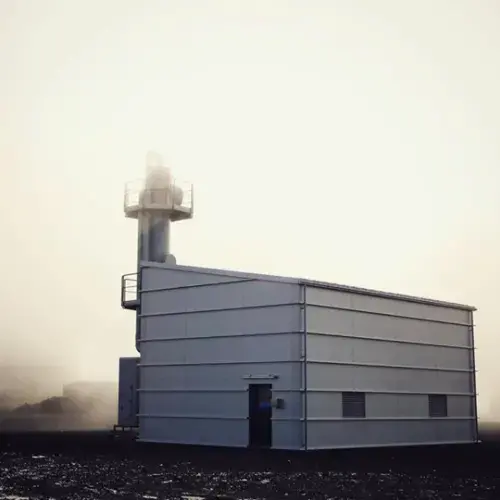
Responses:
[83,405]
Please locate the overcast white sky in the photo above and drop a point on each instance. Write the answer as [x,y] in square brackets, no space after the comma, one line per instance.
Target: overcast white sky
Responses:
[352,141]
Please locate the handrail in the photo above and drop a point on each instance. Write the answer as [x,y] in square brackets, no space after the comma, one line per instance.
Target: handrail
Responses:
[138,194]
[129,288]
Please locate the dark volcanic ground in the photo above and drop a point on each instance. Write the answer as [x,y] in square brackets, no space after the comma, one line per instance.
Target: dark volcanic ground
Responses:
[91,466]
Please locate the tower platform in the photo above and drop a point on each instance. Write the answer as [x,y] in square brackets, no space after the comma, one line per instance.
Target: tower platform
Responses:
[176,200]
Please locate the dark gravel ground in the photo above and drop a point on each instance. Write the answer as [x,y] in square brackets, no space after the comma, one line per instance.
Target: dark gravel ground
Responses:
[92,466]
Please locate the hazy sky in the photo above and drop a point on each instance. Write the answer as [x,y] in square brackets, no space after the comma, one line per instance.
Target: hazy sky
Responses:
[355,141]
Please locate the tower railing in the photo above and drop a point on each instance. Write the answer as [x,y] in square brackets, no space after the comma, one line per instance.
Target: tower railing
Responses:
[138,195]
[130,289]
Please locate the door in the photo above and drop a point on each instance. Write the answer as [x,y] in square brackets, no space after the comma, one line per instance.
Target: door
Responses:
[260,413]
[128,403]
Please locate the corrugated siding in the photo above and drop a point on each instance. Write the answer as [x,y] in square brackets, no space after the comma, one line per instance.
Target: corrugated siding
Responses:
[158,278]
[231,322]
[204,340]
[205,334]
[222,376]
[397,353]
[381,305]
[328,405]
[332,348]
[357,433]
[269,348]
[371,325]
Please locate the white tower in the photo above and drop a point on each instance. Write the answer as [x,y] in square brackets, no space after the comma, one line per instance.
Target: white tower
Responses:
[155,202]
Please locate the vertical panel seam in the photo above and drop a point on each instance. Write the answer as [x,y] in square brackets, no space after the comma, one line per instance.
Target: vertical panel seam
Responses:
[473,374]
[305,369]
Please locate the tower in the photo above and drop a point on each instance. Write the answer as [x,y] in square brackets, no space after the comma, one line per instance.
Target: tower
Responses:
[155,201]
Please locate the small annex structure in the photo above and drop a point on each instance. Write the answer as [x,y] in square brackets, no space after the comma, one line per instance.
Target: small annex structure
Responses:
[238,359]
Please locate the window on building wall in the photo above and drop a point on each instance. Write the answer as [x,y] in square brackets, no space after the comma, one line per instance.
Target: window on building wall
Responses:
[353,405]
[438,405]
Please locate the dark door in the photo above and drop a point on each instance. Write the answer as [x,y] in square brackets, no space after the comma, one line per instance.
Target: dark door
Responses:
[259,413]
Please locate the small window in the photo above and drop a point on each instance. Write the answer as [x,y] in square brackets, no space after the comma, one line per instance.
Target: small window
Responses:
[438,405]
[353,405]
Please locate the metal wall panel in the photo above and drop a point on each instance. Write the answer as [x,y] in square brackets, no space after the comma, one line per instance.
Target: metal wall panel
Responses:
[351,377]
[205,336]
[328,405]
[276,319]
[225,295]
[156,277]
[374,352]
[240,349]
[461,406]
[381,305]
[213,403]
[288,435]
[219,408]
[196,431]
[397,353]
[128,386]
[371,325]
[218,393]
[223,376]
[204,339]
[386,432]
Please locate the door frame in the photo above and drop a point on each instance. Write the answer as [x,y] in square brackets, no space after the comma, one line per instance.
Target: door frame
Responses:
[259,420]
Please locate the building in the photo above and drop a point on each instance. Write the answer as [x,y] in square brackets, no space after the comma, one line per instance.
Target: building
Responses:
[237,359]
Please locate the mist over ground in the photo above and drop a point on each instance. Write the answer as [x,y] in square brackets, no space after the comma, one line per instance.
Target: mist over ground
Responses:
[37,398]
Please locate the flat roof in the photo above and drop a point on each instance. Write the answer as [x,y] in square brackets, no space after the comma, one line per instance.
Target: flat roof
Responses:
[312,283]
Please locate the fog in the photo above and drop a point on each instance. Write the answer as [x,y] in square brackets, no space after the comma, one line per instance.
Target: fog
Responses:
[471,274]
[32,398]
[355,142]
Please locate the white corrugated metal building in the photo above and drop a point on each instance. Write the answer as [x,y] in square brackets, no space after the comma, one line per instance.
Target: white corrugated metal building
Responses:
[341,366]
[237,359]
